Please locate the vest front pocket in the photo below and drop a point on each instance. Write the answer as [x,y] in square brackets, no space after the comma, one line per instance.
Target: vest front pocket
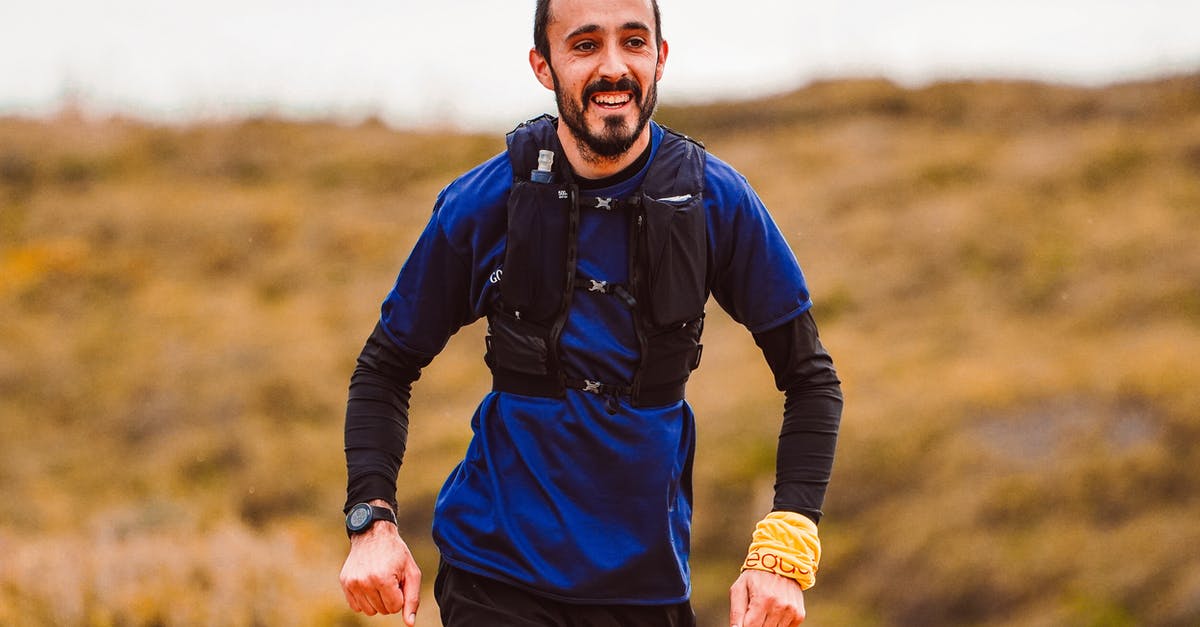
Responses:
[535,256]
[674,352]
[676,247]
[515,345]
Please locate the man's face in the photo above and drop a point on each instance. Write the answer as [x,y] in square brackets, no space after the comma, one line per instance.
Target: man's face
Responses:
[604,68]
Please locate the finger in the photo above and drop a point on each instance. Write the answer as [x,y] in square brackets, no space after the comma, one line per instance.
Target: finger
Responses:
[801,614]
[793,618]
[390,595]
[779,613]
[376,599]
[797,615]
[785,613]
[756,615]
[364,603]
[348,589]
[350,600]
[789,607]
[777,617]
[739,598]
[412,592]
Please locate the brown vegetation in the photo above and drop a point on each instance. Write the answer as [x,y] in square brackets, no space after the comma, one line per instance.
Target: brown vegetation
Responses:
[1007,274]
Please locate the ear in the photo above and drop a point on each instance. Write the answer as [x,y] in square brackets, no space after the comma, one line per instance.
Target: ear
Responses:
[541,69]
[662,60]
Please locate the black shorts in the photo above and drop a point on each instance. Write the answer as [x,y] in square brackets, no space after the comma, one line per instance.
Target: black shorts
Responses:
[470,600]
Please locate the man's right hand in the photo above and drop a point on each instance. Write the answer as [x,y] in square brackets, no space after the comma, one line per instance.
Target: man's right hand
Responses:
[380,575]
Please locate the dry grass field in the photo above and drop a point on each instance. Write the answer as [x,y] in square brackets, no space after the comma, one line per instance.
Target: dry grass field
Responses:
[1007,274]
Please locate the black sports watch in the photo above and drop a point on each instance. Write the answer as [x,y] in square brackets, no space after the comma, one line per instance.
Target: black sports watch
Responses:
[362,516]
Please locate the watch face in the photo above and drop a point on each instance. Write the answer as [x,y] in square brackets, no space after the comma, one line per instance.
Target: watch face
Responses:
[359,516]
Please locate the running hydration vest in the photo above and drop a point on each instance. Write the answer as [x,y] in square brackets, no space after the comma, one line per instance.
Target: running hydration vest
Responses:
[668,259]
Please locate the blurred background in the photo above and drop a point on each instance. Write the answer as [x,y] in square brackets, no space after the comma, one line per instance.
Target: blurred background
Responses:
[996,206]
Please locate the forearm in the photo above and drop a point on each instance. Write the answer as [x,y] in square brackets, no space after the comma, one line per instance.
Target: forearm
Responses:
[376,431]
[804,458]
[812,414]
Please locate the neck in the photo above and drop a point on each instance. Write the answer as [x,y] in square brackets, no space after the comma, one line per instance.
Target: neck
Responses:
[588,164]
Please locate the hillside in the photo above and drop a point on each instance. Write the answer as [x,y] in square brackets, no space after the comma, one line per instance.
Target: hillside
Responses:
[1007,275]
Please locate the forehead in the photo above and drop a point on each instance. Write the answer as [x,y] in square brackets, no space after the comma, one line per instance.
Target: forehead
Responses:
[569,16]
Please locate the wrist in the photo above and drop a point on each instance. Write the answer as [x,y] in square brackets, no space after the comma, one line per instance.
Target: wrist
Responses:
[380,530]
[786,543]
[372,517]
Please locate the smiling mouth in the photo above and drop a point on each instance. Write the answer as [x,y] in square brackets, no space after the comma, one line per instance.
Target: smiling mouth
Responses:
[610,100]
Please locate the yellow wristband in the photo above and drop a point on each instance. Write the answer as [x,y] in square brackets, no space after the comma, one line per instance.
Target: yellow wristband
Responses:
[786,543]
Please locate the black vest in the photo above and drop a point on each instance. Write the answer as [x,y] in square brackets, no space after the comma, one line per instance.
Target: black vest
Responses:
[667,271]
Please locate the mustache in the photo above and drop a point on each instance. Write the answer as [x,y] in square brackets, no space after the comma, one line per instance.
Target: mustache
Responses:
[602,85]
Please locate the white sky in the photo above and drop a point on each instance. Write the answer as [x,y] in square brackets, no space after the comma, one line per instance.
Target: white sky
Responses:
[463,62]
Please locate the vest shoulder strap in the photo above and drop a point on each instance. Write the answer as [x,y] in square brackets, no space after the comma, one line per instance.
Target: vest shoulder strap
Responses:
[529,137]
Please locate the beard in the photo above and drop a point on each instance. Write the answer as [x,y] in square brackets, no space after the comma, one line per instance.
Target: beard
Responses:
[615,138]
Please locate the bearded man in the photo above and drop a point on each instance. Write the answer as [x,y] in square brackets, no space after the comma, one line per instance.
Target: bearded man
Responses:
[591,245]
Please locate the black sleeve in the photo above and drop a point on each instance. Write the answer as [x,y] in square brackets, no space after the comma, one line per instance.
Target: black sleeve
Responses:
[377,418]
[812,412]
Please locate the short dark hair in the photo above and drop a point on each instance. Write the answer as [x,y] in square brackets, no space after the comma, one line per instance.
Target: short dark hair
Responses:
[541,16]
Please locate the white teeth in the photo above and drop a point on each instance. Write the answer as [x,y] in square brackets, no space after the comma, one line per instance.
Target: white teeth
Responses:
[611,99]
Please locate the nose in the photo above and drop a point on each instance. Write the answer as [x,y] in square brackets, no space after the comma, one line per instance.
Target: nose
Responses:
[612,63]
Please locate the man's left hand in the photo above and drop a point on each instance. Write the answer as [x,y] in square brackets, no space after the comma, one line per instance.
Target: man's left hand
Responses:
[762,599]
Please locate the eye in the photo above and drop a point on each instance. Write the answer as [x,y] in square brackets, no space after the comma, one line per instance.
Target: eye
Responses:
[586,46]
[636,42]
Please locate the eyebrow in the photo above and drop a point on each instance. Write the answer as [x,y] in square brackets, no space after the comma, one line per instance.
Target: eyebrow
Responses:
[592,28]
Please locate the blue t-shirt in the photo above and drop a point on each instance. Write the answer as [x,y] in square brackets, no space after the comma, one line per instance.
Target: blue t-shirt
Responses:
[559,496]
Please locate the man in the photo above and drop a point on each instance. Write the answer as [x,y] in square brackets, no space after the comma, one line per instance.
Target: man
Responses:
[591,245]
